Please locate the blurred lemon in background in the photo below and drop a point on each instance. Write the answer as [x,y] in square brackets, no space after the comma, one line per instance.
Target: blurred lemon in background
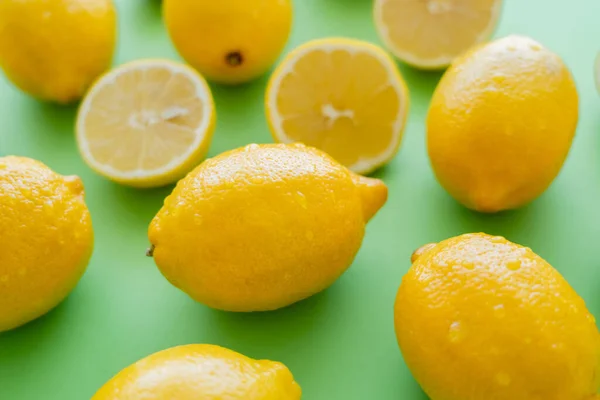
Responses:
[264,226]
[146,123]
[54,49]
[478,317]
[229,41]
[429,34]
[201,371]
[501,123]
[46,239]
[343,96]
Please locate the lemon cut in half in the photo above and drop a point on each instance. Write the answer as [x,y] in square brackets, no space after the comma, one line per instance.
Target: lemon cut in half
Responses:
[429,34]
[146,123]
[343,96]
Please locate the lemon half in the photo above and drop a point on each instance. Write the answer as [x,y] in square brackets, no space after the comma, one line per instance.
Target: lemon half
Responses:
[343,96]
[429,34]
[146,123]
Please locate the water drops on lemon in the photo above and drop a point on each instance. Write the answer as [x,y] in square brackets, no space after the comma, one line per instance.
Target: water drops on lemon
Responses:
[343,96]
[279,223]
[201,371]
[501,123]
[492,331]
[146,123]
[47,239]
[231,41]
[55,49]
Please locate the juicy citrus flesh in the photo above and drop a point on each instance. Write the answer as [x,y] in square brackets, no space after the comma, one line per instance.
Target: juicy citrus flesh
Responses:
[501,123]
[478,317]
[146,123]
[201,372]
[47,239]
[264,226]
[343,96]
[431,33]
[54,49]
[221,39]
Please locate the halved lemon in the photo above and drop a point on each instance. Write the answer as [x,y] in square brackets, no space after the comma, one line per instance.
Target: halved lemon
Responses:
[343,96]
[146,123]
[429,34]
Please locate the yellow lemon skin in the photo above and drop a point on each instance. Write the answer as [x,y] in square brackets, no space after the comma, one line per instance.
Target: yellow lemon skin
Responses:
[264,226]
[478,317]
[501,123]
[54,49]
[201,371]
[46,239]
[229,41]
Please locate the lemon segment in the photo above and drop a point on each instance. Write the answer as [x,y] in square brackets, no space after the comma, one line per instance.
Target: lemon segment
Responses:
[343,96]
[146,123]
[430,34]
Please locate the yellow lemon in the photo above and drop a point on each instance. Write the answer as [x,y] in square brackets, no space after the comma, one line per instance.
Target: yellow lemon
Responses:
[201,371]
[54,49]
[46,239]
[229,41]
[429,34]
[478,317]
[343,96]
[146,123]
[262,227]
[501,123]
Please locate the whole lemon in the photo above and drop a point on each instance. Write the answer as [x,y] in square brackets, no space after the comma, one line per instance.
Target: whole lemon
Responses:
[262,227]
[201,371]
[54,49]
[229,41]
[46,239]
[501,123]
[478,317]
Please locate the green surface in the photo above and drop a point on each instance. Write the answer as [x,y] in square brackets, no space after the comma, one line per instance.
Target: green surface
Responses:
[339,344]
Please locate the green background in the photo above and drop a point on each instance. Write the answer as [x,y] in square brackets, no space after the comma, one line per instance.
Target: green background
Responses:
[339,344]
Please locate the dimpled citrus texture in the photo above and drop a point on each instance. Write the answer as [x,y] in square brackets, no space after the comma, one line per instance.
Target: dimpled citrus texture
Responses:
[229,41]
[46,239]
[501,123]
[478,318]
[264,226]
[201,372]
[54,49]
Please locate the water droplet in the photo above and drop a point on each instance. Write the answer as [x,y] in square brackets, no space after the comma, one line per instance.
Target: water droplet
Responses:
[557,346]
[591,318]
[503,379]
[301,199]
[499,311]
[468,265]
[456,332]
[513,265]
